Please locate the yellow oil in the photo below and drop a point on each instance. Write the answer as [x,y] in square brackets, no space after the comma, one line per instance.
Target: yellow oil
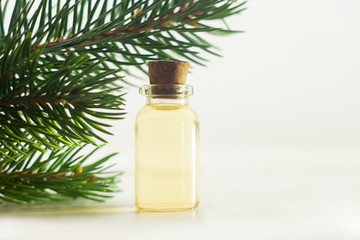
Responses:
[166,158]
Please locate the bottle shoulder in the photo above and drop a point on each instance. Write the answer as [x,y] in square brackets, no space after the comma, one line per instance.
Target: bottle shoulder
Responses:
[193,111]
[167,111]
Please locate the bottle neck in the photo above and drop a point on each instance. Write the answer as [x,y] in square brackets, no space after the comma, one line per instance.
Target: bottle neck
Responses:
[167,101]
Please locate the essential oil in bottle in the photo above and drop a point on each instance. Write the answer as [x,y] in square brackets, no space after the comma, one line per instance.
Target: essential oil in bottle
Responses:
[167,142]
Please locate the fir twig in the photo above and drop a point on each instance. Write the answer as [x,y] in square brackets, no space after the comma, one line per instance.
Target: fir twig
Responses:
[56,175]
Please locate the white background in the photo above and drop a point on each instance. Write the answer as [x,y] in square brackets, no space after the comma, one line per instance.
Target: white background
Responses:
[280,135]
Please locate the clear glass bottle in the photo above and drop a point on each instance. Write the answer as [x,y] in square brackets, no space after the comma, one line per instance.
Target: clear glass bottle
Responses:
[166,150]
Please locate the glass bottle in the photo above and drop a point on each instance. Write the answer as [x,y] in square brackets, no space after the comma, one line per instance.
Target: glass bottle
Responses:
[166,150]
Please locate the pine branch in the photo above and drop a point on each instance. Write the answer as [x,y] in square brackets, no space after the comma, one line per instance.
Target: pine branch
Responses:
[56,175]
[139,30]
[60,79]
[58,108]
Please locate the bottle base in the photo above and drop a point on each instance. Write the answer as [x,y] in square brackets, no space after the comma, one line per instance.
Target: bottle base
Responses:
[166,207]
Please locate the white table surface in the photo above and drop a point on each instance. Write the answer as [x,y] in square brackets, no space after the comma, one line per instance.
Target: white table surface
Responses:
[249,190]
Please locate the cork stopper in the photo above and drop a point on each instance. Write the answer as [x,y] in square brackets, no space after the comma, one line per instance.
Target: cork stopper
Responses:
[168,72]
